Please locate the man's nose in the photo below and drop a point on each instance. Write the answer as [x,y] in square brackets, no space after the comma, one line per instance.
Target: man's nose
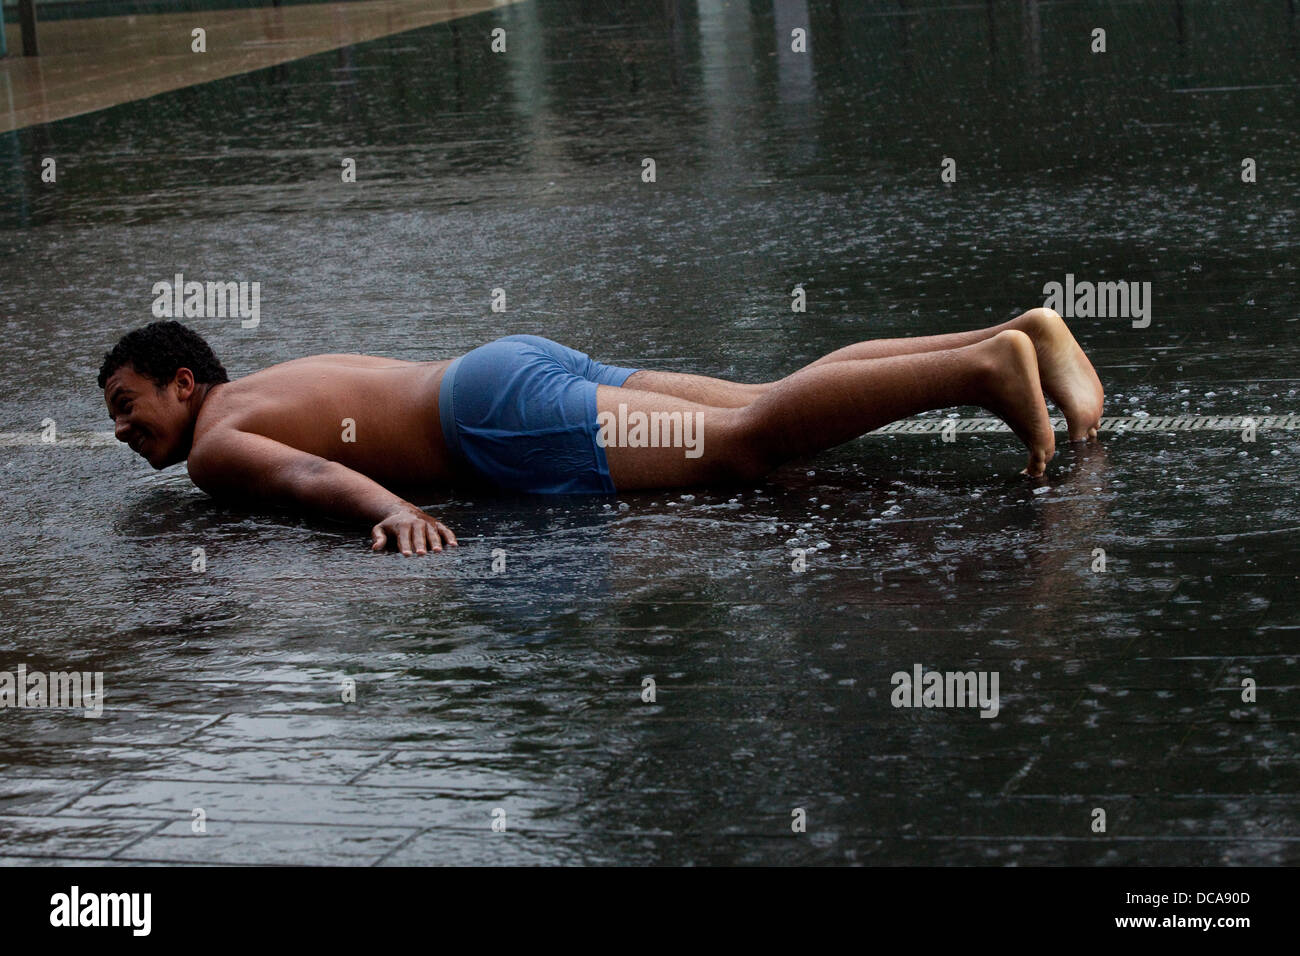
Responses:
[119,431]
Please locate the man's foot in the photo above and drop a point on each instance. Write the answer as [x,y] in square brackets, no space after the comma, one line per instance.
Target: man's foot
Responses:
[1068,377]
[1012,392]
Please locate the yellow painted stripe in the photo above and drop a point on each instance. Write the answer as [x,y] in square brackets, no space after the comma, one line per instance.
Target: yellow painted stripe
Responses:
[92,64]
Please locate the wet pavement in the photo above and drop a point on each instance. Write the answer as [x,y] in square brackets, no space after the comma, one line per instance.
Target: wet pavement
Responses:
[482,688]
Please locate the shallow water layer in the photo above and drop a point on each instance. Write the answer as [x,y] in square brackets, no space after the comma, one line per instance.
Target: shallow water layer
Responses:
[521,687]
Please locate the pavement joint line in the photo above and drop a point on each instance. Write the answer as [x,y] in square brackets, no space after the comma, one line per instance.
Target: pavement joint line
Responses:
[54,856]
[178,817]
[198,730]
[181,862]
[146,777]
[143,836]
[125,712]
[1109,838]
[388,755]
[80,796]
[489,793]
[181,816]
[1019,775]
[222,747]
[415,835]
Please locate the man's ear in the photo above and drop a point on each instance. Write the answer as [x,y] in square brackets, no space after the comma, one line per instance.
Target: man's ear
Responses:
[184,382]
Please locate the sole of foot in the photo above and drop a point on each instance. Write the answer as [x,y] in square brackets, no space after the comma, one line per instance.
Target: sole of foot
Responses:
[1067,376]
[1015,394]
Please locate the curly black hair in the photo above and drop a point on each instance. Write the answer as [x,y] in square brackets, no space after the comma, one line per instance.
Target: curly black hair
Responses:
[159,349]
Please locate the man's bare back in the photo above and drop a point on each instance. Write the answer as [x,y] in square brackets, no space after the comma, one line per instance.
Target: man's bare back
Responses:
[377,416]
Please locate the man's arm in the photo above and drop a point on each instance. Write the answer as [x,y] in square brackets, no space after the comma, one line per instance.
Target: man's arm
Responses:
[232,462]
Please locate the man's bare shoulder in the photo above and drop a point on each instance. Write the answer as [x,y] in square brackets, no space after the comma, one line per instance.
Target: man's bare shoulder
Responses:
[213,454]
[226,412]
[256,386]
[345,358]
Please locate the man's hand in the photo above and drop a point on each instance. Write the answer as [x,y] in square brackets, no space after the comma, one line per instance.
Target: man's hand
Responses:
[410,529]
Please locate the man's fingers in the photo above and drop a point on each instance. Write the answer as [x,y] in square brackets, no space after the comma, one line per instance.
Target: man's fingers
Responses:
[419,537]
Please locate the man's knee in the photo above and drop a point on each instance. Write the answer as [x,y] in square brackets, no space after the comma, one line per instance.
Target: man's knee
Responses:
[1042,315]
[749,456]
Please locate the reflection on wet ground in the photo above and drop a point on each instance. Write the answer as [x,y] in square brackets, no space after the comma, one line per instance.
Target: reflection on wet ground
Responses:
[521,688]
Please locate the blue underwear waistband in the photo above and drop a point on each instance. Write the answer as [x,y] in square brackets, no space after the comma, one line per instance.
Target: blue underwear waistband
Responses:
[447,417]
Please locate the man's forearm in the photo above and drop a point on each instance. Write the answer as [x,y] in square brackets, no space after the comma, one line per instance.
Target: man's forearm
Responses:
[338,491]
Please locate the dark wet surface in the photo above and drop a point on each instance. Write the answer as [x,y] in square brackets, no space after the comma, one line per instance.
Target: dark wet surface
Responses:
[521,689]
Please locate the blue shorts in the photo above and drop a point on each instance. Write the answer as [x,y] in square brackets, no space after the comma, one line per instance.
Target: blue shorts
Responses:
[520,412]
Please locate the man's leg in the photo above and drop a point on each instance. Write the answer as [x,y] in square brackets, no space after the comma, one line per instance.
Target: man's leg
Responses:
[1066,375]
[723,393]
[716,392]
[824,406]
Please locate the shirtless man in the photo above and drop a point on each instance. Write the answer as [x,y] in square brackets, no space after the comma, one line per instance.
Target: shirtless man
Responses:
[332,433]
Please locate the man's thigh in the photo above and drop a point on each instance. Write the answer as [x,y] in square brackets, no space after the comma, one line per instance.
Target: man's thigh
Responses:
[653,440]
[717,392]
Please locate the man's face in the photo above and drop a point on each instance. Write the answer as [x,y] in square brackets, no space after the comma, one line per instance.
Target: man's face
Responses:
[154,421]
